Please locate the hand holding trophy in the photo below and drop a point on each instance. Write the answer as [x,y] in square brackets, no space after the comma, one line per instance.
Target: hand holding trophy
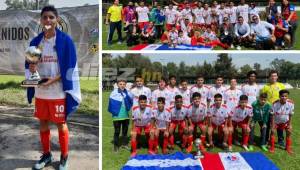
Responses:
[32,56]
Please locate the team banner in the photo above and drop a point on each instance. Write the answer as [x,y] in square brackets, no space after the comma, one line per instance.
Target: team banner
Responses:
[18,27]
[211,161]
[167,47]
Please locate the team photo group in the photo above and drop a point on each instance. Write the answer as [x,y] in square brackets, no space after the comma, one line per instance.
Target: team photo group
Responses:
[213,24]
[198,111]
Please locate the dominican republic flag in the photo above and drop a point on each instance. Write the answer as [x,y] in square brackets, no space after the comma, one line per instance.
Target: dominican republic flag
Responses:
[166,47]
[211,161]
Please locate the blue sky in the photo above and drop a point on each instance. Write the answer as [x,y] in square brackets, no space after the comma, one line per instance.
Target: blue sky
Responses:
[239,59]
[61,3]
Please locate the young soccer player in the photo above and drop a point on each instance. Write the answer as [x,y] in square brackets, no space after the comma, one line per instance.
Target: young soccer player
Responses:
[218,119]
[241,116]
[162,117]
[232,95]
[162,91]
[251,89]
[282,111]
[178,119]
[60,95]
[197,116]
[204,90]
[218,88]
[184,91]
[140,89]
[172,89]
[261,114]
[142,119]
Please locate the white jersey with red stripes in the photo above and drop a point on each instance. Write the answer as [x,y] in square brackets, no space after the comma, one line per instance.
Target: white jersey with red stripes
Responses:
[232,97]
[161,93]
[137,91]
[162,118]
[186,96]
[239,114]
[252,91]
[187,14]
[204,91]
[231,12]
[198,12]
[218,115]
[215,90]
[197,114]
[207,16]
[173,91]
[170,16]
[142,117]
[179,114]
[282,112]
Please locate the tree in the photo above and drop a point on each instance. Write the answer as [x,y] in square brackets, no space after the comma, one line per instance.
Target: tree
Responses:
[224,66]
[26,4]
[245,69]
[257,67]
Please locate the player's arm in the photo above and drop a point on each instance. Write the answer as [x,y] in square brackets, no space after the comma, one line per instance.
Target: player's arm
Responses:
[108,16]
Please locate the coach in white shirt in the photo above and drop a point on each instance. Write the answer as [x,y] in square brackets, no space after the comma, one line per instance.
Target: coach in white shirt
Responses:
[241,32]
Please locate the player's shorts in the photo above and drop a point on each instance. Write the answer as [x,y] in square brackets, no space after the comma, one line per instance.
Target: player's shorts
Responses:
[281,126]
[198,124]
[169,26]
[139,129]
[53,110]
[180,123]
[242,124]
[220,127]
[142,25]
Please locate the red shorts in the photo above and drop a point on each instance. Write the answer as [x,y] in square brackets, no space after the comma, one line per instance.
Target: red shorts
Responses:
[220,127]
[180,123]
[281,126]
[53,110]
[139,129]
[198,124]
[243,124]
[169,26]
[143,24]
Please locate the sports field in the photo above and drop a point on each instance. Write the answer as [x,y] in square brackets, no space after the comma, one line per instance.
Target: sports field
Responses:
[13,95]
[123,46]
[114,161]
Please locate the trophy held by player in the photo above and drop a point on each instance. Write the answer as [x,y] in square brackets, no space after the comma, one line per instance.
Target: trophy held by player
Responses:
[33,56]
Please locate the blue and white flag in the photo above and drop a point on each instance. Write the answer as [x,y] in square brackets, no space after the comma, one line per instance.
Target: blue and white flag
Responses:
[176,161]
[167,47]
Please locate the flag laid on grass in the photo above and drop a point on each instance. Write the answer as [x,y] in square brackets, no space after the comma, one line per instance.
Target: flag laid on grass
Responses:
[178,161]
[166,47]
[211,161]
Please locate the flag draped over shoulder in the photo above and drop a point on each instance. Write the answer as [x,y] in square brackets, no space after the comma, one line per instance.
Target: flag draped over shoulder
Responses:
[67,60]
[115,101]
[211,161]
[178,161]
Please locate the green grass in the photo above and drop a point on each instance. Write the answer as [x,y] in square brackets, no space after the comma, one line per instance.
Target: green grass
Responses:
[123,46]
[114,161]
[13,95]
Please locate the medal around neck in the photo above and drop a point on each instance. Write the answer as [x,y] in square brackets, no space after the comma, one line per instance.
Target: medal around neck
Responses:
[33,56]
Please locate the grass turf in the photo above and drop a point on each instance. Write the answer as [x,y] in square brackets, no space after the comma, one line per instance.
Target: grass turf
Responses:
[12,94]
[123,46]
[114,161]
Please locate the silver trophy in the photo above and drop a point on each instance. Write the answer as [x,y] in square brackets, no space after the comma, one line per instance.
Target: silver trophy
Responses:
[198,154]
[32,56]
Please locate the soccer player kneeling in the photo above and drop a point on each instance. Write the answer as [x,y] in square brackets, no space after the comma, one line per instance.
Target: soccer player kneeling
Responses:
[197,117]
[141,120]
[218,118]
[261,114]
[283,109]
[178,119]
[162,117]
[241,116]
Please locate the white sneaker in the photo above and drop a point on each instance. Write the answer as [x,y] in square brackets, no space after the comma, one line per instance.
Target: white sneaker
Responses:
[232,46]
[119,42]
[246,147]
[238,47]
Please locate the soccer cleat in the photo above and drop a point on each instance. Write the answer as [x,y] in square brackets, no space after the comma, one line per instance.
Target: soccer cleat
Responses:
[236,142]
[251,148]
[151,152]
[63,163]
[272,150]
[116,148]
[44,161]
[281,144]
[133,154]
[264,148]
[289,150]
[119,42]
[238,47]
[230,148]
[245,147]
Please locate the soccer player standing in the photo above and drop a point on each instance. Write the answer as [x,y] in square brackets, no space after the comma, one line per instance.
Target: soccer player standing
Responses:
[251,89]
[60,95]
[140,89]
